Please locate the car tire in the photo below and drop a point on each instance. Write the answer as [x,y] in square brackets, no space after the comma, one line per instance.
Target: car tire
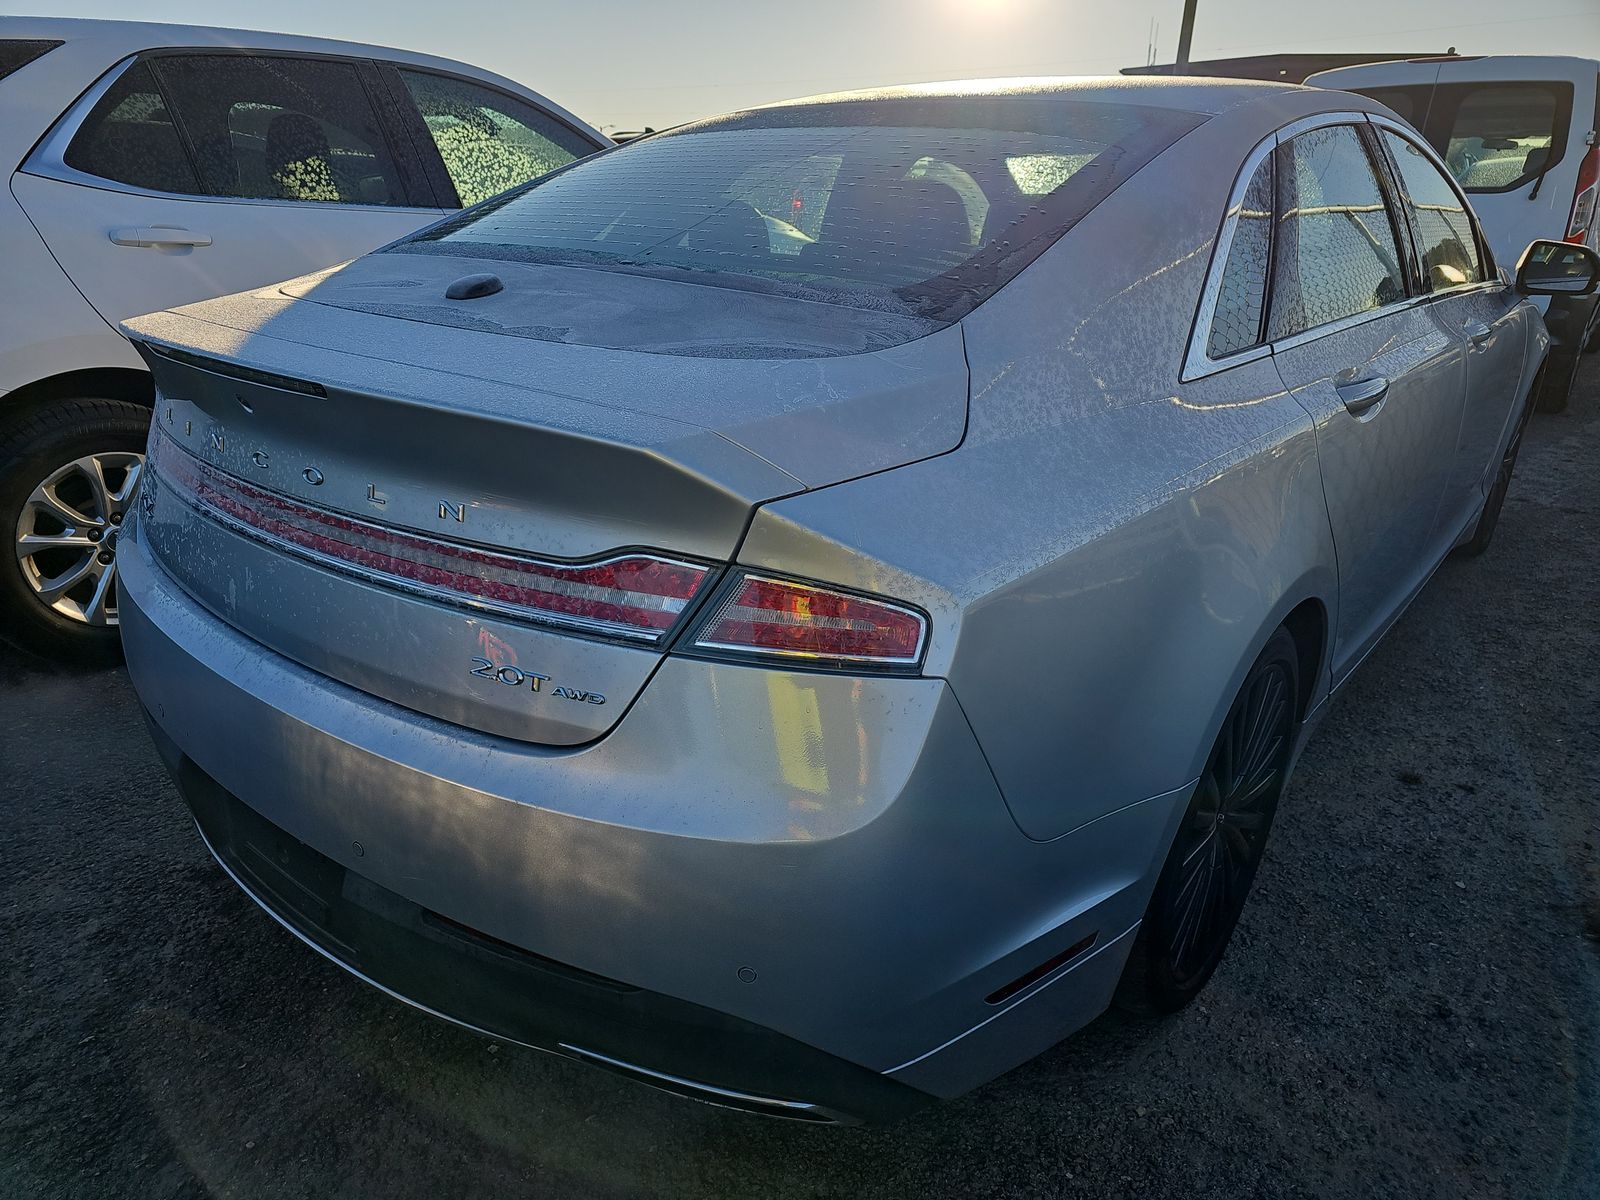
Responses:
[68,473]
[1489,517]
[1213,861]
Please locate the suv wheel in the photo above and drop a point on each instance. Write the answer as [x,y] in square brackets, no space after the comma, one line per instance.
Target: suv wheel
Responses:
[68,476]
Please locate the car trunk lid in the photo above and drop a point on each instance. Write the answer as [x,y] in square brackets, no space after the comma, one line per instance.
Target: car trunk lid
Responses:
[500,454]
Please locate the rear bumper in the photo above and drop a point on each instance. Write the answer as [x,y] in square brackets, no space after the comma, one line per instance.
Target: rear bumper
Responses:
[450,971]
[793,894]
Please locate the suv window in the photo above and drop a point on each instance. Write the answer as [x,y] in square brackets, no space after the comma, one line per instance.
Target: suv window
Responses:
[270,127]
[1236,322]
[1336,254]
[1444,228]
[128,137]
[490,142]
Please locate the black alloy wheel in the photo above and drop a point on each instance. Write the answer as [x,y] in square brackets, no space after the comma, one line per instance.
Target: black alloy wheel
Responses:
[1213,861]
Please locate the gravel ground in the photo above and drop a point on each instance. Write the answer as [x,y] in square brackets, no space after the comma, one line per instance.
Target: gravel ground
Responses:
[1411,1007]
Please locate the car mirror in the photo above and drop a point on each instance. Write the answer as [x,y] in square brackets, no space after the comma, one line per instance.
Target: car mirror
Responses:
[1558,269]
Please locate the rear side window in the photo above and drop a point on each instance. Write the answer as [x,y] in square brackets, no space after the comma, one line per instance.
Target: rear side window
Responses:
[270,127]
[1444,228]
[916,204]
[16,53]
[1236,323]
[129,137]
[1337,254]
[490,142]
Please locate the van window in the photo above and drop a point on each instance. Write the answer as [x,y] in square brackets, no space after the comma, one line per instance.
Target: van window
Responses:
[1494,137]
[1501,134]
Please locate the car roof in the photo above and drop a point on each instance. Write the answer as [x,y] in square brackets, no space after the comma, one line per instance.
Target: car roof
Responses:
[150,35]
[118,39]
[1196,94]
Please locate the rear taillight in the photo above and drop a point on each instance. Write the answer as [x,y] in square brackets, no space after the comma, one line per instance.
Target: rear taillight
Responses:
[1584,197]
[763,617]
[635,595]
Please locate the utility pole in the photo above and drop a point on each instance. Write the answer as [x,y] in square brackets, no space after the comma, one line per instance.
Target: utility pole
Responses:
[1185,36]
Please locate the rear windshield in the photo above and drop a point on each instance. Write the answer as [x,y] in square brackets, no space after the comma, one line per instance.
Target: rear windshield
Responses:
[1494,137]
[924,205]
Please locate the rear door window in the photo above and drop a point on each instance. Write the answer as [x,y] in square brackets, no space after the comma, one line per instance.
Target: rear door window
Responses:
[281,128]
[489,141]
[1336,254]
[129,137]
[1447,242]
[923,205]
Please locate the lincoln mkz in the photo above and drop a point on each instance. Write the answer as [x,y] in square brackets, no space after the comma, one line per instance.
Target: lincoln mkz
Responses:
[806,609]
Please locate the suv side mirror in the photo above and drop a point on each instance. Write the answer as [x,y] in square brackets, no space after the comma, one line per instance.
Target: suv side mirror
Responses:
[1558,269]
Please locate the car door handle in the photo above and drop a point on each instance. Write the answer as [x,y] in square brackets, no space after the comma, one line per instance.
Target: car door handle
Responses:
[158,235]
[1362,394]
[1477,332]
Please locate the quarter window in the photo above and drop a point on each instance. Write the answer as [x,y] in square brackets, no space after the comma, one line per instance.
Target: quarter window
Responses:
[129,137]
[1336,253]
[1236,320]
[1444,228]
[489,141]
[270,127]
[16,53]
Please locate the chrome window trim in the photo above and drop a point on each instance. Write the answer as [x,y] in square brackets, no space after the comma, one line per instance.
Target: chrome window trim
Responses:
[48,160]
[1198,362]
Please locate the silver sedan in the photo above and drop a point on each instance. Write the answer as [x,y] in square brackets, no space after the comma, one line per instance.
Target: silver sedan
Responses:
[805,609]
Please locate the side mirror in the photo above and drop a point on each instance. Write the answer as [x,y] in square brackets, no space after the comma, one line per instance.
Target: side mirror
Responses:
[1558,269]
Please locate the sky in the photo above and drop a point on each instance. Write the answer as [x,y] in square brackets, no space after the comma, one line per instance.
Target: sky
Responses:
[625,64]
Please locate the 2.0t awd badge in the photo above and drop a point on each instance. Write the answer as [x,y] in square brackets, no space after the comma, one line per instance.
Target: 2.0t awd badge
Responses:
[513,676]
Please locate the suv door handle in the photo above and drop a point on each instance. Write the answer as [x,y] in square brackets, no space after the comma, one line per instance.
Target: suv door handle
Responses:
[158,235]
[1362,394]
[1477,332]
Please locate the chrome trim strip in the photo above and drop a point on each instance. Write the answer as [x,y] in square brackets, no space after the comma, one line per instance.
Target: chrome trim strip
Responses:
[705,1093]
[1198,363]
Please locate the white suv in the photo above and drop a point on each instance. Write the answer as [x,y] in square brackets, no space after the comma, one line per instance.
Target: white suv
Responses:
[155,165]
[1518,132]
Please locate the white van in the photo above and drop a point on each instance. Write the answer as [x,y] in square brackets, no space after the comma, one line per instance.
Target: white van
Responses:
[1517,131]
